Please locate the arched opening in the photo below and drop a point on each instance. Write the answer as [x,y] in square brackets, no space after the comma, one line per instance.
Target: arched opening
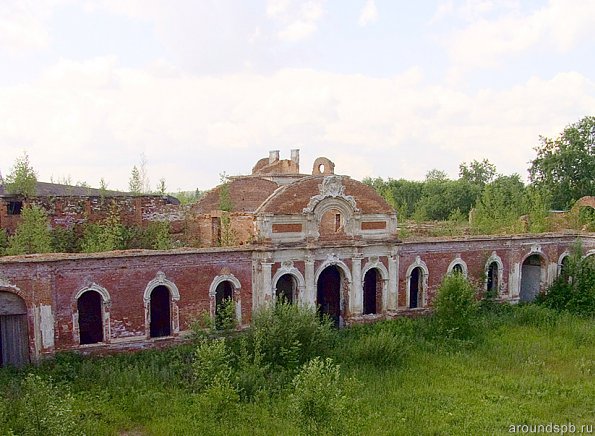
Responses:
[332,223]
[457,269]
[372,292]
[564,268]
[286,289]
[223,298]
[14,337]
[160,312]
[492,279]
[416,288]
[531,277]
[328,293]
[90,317]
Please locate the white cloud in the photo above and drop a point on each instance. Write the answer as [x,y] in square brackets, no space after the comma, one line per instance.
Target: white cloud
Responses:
[24,25]
[368,14]
[93,119]
[486,41]
[296,20]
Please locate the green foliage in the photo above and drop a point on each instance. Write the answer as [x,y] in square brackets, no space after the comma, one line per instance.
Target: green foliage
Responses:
[565,166]
[32,234]
[108,235]
[3,242]
[455,306]
[188,197]
[477,173]
[384,349]
[251,376]
[225,203]
[155,236]
[292,334]
[500,206]
[574,289]
[22,179]
[44,409]
[135,185]
[65,240]
[211,364]
[225,316]
[318,402]
[161,187]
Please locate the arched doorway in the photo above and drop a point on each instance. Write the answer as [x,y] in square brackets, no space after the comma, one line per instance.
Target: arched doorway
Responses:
[14,337]
[286,288]
[416,281]
[160,312]
[328,293]
[372,291]
[223,296]
[90,317]
[492,279]
[531,277]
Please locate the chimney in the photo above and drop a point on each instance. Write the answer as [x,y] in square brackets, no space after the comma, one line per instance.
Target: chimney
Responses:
[295,156]
[273,156]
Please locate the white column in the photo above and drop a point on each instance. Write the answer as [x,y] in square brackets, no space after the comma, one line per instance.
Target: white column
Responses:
[356,300]
[393,281]
[310,294]
[267,287]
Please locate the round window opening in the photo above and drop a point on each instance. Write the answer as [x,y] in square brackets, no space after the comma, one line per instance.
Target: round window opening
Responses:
[321,168]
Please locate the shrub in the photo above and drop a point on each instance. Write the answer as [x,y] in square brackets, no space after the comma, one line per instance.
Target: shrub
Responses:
[318,402]
[45,409]
[383,349]
[574,289]
[32,234]
[251,374]
[212,360]
[292,334]
[225,317]
[455,306]
[65,240]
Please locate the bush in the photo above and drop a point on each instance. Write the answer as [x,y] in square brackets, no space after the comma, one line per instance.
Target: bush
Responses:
[251,375]
[574,289]
[44,409]
[383,349]
[32,234]
[455,306]
[65,240]
[225,317]
[292,334]
[318,402]
[212,363]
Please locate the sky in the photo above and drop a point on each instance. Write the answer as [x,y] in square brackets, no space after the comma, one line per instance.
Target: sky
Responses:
[198,88]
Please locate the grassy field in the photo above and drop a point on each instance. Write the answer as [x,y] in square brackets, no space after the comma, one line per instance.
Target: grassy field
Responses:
[522,365]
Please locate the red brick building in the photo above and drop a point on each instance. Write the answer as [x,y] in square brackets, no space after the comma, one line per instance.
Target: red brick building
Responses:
[319,239]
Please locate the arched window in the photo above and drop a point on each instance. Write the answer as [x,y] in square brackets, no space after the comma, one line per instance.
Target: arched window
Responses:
[286,288]
[223,300]
[532,277]
[492,279]
[160,304]
[372,292]
[416,283]
[90,317]
[328,293]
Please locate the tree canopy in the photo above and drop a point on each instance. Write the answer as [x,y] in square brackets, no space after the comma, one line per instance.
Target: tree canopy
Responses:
[565,166]
[22,179]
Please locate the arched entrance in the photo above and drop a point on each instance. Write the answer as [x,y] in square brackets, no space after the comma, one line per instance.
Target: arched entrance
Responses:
[328,293]
[531,277]
[416,281]
[90,317]
[160,324]
[286,288]
[372,291]
[223,296]
[492,279]
[14,337]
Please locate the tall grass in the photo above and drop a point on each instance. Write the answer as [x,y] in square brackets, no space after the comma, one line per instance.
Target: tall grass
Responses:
[527,364]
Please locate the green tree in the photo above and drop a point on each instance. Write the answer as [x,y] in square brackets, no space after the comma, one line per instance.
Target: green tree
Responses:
[502,203]
[135,185]
[108,235]
[565,166]
[32,234]
[455,306]
[22,179]
[477,173]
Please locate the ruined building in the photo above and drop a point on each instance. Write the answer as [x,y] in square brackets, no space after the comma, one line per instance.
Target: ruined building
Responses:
[320,239]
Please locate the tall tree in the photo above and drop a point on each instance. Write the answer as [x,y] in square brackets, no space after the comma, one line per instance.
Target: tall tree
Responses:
[22,179]
[32,234]
[477,173]
[565,166]
[135,184]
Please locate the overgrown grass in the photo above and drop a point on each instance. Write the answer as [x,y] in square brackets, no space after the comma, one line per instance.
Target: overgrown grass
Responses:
[523,365]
